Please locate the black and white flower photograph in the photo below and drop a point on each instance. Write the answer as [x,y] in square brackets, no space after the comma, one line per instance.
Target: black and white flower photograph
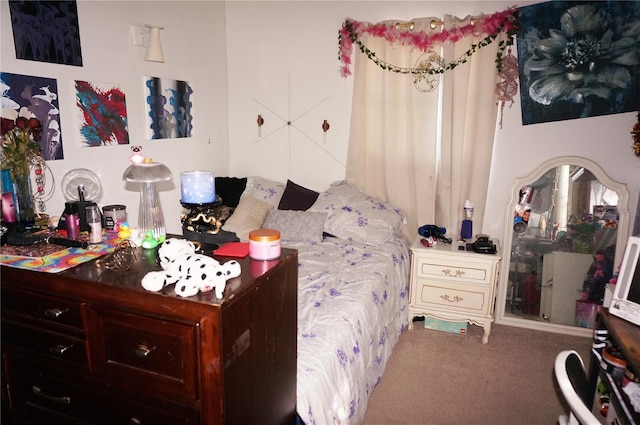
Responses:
[578,59]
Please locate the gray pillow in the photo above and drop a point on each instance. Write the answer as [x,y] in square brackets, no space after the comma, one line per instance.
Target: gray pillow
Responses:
[296,226]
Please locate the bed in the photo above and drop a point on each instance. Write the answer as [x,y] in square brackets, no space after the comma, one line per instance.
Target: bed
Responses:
[353,277]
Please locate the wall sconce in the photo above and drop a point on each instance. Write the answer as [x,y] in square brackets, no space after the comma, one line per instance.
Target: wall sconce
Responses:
[150,216]
[154,47]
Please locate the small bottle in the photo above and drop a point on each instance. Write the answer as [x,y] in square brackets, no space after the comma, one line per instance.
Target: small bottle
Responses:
[94,221]
[72,224]
[466,232]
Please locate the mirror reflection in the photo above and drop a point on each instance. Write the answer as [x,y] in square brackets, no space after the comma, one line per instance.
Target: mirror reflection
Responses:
[563,246]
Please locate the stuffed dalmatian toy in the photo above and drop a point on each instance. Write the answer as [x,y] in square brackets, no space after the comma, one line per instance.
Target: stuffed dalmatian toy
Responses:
[188,271]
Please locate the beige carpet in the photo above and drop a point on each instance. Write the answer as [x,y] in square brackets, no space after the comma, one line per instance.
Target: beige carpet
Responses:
[439,378]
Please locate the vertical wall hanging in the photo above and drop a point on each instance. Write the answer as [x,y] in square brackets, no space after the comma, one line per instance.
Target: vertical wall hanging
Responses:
[37,97]
[46,31]
[102,113]
[578,59]
[169,108]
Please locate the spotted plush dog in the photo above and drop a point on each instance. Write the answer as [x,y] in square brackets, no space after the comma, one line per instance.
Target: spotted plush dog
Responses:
[188,271]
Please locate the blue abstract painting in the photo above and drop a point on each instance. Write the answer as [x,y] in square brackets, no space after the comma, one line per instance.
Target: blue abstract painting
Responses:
[168,108]
[578,59]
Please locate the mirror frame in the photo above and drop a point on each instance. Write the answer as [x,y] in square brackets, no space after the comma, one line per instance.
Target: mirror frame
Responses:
[621,240]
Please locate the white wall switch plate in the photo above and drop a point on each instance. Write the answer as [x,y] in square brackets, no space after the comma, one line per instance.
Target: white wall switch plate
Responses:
[139,35]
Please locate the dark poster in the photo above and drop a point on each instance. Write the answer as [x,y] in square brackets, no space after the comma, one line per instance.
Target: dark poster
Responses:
[46,31]
[578,59]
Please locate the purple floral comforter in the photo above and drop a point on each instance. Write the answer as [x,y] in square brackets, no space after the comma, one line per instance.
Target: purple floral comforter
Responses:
[352,307]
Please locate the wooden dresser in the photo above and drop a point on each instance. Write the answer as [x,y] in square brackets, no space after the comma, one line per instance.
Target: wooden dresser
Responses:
[91,346]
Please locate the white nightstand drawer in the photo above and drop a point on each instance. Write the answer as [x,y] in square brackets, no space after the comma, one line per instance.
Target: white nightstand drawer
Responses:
[451,269]
[446,295]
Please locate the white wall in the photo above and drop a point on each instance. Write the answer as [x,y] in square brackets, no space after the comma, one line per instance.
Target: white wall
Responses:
[280,59]
[194,50]
[283,59]
[283,63]
[519,150]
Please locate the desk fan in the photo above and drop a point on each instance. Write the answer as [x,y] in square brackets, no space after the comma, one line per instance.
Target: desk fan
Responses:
[81,188]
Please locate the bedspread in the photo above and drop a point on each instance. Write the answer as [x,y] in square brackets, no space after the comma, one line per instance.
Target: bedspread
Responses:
[352,307]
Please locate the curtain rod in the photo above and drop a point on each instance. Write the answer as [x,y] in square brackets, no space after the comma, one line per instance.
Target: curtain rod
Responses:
[433,24]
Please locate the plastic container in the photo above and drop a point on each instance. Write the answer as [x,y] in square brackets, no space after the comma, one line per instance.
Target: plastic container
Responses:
[264,244]
[114,215]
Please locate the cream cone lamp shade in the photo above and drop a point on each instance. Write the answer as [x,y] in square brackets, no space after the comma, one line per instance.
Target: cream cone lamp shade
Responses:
[150,215]
[154,48]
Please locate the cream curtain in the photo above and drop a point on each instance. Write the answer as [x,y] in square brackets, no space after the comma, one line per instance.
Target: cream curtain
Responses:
[425,152]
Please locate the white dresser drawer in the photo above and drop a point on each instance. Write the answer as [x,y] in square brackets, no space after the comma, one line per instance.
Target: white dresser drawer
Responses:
[451,296]
[461,271]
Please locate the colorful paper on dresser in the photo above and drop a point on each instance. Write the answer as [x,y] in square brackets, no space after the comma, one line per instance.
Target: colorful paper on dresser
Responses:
[61,260]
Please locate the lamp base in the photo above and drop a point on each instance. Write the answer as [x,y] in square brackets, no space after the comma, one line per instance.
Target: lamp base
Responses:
[205,218]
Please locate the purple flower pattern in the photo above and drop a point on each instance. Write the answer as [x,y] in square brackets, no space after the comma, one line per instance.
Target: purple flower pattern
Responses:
[332,279]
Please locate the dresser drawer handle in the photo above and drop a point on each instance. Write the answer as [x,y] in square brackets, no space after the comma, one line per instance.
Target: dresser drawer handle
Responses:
[59,350]
[55,313]
[143,351]
[60,400]
[455,299]
[457,273]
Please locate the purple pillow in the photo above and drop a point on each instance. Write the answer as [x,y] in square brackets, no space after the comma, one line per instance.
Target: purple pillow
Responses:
[296,197]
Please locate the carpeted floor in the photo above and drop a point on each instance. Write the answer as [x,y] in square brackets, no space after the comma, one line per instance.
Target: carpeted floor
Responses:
[440,378]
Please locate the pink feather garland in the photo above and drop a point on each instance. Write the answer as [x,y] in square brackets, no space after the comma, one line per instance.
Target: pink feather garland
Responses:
[503,21]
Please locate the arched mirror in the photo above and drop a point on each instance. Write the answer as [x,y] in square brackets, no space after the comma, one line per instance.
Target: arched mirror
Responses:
[566,232]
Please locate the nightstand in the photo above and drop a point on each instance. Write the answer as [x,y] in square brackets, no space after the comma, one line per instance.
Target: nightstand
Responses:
[452,284]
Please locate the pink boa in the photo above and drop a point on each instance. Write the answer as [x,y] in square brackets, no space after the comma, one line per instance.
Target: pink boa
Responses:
[488,25]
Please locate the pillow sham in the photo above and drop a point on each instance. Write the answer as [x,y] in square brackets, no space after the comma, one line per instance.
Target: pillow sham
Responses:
[268,191]
[230,189]
[356,215]
[297,226]
[296,197]
[248,215]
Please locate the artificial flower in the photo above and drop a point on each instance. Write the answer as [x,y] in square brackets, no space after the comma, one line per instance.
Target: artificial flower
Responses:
[19,145]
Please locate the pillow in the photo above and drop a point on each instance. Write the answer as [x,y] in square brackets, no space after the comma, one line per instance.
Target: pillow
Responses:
[230,189]
[297,226]
[355,215]
[296,197]
[248,215]
[265,190]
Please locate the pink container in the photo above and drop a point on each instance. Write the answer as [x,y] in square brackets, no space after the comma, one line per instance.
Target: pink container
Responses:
[264,244]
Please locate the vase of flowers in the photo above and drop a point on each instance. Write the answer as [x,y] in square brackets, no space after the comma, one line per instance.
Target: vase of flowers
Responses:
[582,231]
[19,149]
